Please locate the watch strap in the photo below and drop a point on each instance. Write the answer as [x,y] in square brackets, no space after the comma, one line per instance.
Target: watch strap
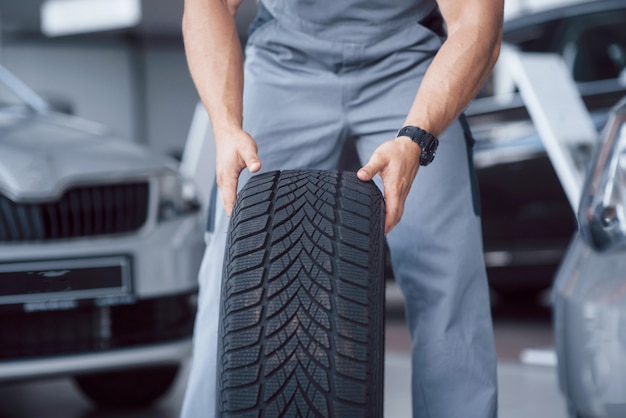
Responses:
[427,142]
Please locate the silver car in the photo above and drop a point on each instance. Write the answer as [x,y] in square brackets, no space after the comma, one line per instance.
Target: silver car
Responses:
[590,288]
[100,245]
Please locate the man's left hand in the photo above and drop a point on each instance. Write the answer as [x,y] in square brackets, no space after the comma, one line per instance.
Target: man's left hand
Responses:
[397,162]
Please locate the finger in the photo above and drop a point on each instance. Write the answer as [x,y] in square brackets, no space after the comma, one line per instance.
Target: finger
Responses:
[392,218]
[369,170]
[395,191]
[228,190]
[393,211]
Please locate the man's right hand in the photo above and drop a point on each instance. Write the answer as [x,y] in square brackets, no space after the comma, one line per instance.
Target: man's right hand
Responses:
[235,152]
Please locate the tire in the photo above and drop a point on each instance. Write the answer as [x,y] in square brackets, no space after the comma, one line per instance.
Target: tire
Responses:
[136,388]
[302,311]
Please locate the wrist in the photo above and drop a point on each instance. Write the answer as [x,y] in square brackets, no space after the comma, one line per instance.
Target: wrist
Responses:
[227,132]
[226,123]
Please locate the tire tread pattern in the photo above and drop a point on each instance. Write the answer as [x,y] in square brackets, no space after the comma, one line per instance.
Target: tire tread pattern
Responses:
[301,327]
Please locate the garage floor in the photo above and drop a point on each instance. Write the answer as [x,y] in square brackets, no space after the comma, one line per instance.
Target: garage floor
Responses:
[525,390]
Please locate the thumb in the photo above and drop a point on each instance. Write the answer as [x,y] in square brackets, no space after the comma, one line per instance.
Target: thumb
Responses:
[369,170]
[252,161]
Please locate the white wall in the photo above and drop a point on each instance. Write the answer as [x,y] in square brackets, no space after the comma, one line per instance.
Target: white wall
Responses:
[171,99]
[143,92]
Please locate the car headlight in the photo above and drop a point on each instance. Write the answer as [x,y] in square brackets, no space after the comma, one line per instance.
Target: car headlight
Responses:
[177,197]
[602,210]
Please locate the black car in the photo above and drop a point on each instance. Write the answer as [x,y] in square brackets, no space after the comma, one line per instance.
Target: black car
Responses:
[527,219]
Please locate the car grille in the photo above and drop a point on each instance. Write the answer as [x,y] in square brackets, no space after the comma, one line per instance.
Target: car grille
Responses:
[81,212]
[93,328]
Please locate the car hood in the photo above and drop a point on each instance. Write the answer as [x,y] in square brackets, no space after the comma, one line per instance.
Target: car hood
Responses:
[41,154]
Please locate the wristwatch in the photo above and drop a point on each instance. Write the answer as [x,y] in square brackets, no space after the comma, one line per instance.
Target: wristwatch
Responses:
[425,140]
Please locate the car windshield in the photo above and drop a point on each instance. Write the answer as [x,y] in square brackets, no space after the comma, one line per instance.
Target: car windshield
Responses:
[17,96]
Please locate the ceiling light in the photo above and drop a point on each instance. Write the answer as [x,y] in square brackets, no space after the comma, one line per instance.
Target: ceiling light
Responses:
[66,17]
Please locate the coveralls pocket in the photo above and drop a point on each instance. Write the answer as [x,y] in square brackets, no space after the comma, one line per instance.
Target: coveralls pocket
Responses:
[261,21]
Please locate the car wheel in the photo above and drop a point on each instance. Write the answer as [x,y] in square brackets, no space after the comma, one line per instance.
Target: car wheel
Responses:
[127,388]
[302,314]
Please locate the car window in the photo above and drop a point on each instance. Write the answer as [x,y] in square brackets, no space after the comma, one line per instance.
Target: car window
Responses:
[596,48]
[593,45]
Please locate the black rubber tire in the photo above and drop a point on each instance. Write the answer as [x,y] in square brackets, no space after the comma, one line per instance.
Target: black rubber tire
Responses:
[132,388]
[302,314]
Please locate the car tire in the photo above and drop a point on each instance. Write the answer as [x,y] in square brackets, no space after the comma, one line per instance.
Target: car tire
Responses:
[134,388]
[302,311]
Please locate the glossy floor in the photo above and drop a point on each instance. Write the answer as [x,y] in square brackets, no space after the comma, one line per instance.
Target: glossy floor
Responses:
[525,390]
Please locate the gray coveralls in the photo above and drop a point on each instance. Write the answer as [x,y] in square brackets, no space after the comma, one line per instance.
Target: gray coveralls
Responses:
[320,71]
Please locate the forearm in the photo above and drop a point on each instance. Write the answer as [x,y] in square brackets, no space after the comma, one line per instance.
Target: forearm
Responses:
[460,67]
[215,61]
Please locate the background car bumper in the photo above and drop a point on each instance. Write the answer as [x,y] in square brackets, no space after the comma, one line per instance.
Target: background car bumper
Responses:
[61,333]
[590,330]
[161,354]
[165,257]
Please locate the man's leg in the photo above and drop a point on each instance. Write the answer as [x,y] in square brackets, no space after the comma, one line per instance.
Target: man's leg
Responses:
[436,253]
[199,398]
